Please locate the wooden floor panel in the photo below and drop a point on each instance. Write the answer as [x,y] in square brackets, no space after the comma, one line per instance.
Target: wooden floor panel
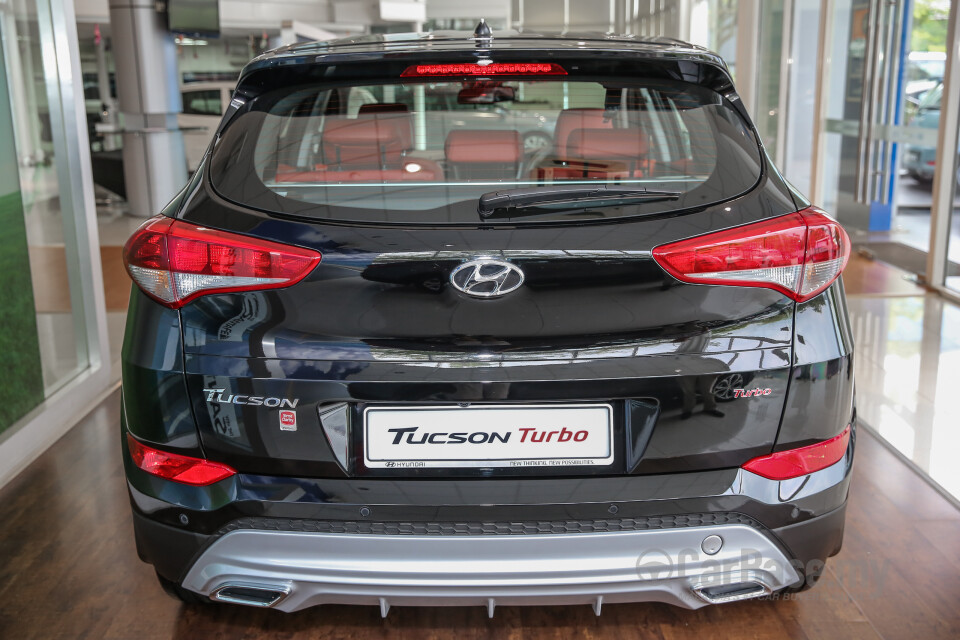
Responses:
[51,288]
[68,569]
[872,277]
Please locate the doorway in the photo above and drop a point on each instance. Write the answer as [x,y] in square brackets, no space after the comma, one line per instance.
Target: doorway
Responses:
[881,93]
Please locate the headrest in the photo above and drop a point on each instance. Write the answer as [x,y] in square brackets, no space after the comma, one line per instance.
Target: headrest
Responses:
[476,146]
[578,118]
[368,138]
[607,144]
[362,130]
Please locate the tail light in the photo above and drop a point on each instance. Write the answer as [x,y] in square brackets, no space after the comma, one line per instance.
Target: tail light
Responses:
[794,463]
[174,261]
[171,466]
[492,69]
[799,254]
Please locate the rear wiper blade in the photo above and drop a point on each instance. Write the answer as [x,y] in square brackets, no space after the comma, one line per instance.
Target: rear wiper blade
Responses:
[499,204]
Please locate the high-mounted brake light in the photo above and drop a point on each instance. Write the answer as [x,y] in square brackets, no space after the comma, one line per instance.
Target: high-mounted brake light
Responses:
[799,254]
[196,472]
[174,261]
[492,69]
[794,463]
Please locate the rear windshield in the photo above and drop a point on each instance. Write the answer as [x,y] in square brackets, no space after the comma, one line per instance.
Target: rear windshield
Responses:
[428,151]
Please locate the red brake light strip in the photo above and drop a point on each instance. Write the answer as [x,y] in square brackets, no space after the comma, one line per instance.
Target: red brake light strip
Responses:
[784,465]
[492,69]
[195,472]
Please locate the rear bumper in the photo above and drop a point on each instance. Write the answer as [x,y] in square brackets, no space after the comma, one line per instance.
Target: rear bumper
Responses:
[512,560]
[668,565]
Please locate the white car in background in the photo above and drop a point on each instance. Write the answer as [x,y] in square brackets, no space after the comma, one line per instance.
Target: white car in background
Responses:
[203,106]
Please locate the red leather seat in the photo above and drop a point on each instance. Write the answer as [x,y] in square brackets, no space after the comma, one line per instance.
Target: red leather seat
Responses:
[608,144]
[369,140]
[392,111]
[570,120]
[369,148]
[477,154]
[601,154]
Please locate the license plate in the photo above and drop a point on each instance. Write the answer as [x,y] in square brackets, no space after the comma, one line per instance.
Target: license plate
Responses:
[488,436]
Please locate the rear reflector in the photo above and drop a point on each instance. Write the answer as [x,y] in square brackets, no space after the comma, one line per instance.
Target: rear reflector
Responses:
[794,463]
[799,254]
[492,69]
[174,261]
[171,466]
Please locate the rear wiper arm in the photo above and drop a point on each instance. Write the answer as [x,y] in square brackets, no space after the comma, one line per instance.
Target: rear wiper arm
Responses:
[498,204]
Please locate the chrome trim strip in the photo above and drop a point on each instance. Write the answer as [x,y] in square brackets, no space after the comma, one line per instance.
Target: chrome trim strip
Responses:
[635,566]
[510,254]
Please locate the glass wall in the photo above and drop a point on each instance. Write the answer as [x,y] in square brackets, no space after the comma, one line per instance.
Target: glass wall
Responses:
[18,339]
[46,273]
[769,74]
[921,77]
[713,24]
[35,103]
[799,115]
[656,18]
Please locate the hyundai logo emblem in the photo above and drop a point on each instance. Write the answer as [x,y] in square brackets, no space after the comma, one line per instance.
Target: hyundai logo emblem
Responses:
[486,278]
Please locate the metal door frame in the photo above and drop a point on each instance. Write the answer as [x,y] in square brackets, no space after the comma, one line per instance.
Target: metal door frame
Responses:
[944,179]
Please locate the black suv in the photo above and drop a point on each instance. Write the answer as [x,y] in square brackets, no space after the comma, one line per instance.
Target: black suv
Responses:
[368,364]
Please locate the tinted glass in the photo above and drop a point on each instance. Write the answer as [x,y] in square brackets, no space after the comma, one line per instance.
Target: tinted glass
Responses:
[426,152]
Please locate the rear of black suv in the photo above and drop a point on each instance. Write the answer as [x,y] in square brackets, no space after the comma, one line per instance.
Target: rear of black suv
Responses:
[366,365]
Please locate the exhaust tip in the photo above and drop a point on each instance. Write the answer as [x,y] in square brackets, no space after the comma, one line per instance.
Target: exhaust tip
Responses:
[251,595]
[717,594]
